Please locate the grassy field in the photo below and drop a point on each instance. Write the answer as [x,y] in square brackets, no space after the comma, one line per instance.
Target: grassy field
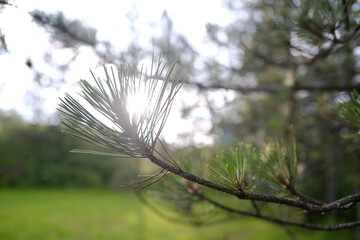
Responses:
[103,214]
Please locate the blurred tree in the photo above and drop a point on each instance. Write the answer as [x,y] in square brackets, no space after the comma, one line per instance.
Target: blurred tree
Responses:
[297,59]
[35,155]
[305,54]
[299,56]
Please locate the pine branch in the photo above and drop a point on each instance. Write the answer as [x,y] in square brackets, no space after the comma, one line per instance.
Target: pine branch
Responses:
[278,220]
[346,5]
[273,89]
[146,202]
[303,197]
[43,19]
[73,29]
[135,135]
[3,2]
[257,196]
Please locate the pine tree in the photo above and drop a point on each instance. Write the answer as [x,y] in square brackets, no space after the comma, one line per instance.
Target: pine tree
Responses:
[296,58]
[259,175]
[290,65]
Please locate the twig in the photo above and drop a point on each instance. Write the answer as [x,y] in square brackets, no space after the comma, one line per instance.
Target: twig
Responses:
[256,207]
[303,197]
[151,183]
[278,88]
[281,221]
[256,196]
[290,233]
[145,201]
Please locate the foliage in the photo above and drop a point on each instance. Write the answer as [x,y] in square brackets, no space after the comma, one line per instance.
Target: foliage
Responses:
[233,174]
[271,168]
[135,135]
[75,29]
[298,55]
[35,155]
[295,58]
[132,134]
[280,165]
[349,110]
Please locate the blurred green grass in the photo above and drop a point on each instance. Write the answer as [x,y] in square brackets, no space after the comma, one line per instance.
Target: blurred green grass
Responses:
[56,214]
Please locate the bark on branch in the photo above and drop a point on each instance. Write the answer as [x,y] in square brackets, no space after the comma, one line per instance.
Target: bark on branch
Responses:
[336,205]
[279,220]
[279,88]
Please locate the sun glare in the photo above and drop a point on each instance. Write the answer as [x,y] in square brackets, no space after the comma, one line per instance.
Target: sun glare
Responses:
[136,104]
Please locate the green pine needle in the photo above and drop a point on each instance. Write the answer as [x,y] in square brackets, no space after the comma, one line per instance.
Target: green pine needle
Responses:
[232,169]
[279,164]
[349,110]
[128,134]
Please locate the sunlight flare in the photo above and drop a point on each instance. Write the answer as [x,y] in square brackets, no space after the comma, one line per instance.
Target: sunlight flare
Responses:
[136,104]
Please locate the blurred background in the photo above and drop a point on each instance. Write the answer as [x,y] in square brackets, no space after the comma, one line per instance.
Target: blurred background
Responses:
[255,68]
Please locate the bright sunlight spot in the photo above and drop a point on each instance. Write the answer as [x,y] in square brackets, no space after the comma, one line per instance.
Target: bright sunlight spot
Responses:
[136,103]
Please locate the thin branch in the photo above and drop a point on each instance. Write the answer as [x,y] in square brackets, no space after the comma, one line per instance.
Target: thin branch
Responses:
[145,201]
[157,211]
[346,14]
[172,162]
[256,207]
[281,221]
[278,88]
[148,178]
[151,183]
[45,20]
[255,196]
[352,35]
[2,2]
[245,90]
[167,153]
[290,233]
[303,197]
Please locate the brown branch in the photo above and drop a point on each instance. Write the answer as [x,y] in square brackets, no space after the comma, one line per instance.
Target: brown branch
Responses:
[2,2]
[42,19]
[255,196]
[279,88]
[256,207]
[347,37]
[303,197]
[157,211]
[346,14]
[281,221]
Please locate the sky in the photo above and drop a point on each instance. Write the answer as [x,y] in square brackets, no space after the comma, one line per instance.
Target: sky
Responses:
[27,40]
